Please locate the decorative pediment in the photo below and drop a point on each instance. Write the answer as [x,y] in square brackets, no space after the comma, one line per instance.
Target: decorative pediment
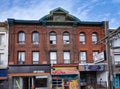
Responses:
[59,15]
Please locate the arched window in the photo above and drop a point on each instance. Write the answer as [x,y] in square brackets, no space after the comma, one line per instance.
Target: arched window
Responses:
[66,38]
[35,37]
[94,38]
[21,37]
[52,38]
[82,38]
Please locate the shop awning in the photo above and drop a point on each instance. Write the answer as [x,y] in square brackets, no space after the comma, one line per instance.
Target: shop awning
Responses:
[28,74]
[3,78]
[64,71]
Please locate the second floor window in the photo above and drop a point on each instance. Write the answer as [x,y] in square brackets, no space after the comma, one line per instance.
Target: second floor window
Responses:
[35,38]
[66,38]
[53,57]
[1,39]
[94,38]
[21,57]
[35,57]
[52,38]
[82,57]
[66,57]
[95,53]
[82,38]
[21,37]
[1,58]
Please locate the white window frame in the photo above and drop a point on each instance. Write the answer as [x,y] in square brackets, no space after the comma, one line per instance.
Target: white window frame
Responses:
[35,57]
[94,38]
[35,37]
[83,56]
[1,58]
[21,37]
[53,57]
[66,38]
[21,57]
[2,35]
[53,38]
[66,56]
[82,38]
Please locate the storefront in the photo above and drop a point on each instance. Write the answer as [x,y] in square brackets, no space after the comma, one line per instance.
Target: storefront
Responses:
[89,74]
[64,78]
[3,78]
[29,77]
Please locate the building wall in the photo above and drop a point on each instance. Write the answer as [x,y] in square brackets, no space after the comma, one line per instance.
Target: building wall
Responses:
[4,45]
[88,46]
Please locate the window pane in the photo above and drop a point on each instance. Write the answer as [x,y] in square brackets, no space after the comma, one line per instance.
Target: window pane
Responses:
[66,38]
[66,57]
[21,56]
[1,39]
[94,37]
[117,57]
[35,56]
[35,37]
[1,58]
[21,37]
[82,38]
[82,55]
[53,57]
[53,38]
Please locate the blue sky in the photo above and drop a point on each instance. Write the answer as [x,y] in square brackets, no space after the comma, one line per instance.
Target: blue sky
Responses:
[85,10]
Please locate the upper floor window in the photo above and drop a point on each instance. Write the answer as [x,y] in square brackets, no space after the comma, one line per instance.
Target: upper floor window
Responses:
[1,39]
[52,38]
[82,38]
[94,38]
[117,58]
[21,57]
[66,57]
[1,58]
[95,53]
[21,37]
[35,37]
[66,38]
[82,57]
[53,57]
[35,57]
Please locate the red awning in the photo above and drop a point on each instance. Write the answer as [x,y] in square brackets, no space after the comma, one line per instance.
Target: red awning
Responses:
[64,71]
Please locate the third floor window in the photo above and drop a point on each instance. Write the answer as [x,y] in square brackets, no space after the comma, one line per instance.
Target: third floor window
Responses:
[66,38]
[21,37]
[82,38]
[35,37]
[1,39]
[52,38]
[94,38]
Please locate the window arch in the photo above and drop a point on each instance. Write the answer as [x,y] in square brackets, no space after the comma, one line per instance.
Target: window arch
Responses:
[21,37]
[82,38]
[52,37]
[35,37]
[66,38]
[94,37]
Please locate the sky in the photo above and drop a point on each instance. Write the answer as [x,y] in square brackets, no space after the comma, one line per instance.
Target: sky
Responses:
[85,10]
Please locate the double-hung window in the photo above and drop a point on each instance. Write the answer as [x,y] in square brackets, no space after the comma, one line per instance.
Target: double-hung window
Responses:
[52,38]
[35,57]
[66,38]
[94,38]
[53,57]
[1,58]
[66,57]
[21,57]
[21,37]
[82,57]
[35,38]
[82,38]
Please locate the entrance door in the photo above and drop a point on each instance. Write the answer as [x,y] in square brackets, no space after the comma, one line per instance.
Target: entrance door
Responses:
[27,82]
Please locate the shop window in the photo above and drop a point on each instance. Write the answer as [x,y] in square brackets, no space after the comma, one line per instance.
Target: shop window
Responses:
[41,83]
[56,83]
[17,83]
[21,37]
[66,38]
[35,57]
[94,38]
[21,57]
[52,38]
[82,57]
[66,57]
[35,37]
[53,57]
[82,38]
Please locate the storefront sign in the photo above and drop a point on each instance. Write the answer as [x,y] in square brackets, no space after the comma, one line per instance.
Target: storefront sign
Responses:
[41,76]
[64,71]
[94,67]
[3,72]
[99,57]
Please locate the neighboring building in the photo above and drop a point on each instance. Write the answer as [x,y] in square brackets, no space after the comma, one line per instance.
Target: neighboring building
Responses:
[3,54]
[115,54]
[92,61]
[59,45]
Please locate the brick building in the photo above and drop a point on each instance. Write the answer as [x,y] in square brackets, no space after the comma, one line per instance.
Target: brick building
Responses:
[52,46]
